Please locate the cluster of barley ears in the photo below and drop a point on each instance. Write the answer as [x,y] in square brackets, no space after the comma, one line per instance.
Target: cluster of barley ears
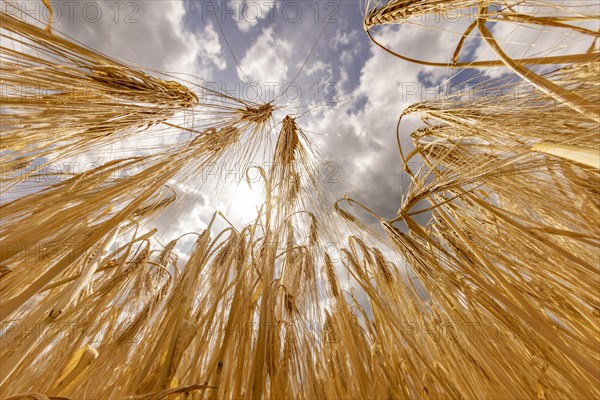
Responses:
[495,297]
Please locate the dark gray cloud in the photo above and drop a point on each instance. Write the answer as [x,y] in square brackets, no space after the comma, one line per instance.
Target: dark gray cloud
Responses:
[355,91]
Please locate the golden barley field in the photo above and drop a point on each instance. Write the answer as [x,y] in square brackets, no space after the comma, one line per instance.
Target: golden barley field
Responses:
[483,283]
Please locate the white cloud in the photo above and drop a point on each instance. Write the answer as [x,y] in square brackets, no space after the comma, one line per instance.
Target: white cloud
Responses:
[344,38]
[149,34]
[248,13]
[212,47]
[363,143]
[318,67]
[264,61]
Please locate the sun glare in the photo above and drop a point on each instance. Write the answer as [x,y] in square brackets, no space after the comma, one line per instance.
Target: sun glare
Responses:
[245,202]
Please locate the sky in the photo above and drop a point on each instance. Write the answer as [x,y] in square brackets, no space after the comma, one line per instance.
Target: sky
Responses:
[346,92]
[316,60]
